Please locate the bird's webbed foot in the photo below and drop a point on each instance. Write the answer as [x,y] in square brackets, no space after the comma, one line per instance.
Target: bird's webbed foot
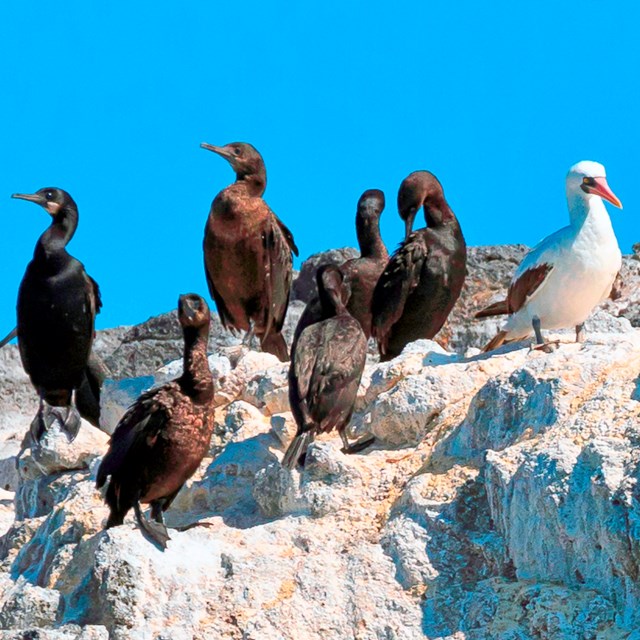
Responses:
[153,529]
[541,345]
[67,417]
[547,347]
[356,447]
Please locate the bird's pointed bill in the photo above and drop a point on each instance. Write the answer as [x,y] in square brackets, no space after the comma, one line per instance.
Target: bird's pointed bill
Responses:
[31,197]
[221,151]
[602,189]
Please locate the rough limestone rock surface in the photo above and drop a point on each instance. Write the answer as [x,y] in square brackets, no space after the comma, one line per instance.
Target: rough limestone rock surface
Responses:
[499,501]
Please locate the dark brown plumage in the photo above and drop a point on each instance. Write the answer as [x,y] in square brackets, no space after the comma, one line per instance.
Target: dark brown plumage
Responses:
[362,274]
[520,290]
[57,306]
[424,277]
[326,366]
[247,252]
[163,437]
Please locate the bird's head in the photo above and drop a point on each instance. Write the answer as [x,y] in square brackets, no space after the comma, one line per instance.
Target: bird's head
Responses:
[371,204]
[420,188]
[333,291]
[589,178]
[243,158]
[52,199]
[193,311]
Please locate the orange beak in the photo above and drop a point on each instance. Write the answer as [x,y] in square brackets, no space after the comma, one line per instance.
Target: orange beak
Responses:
[601,188]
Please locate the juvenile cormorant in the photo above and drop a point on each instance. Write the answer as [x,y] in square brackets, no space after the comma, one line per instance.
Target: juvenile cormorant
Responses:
[247,252]
[57,305]
[562,279]
[363,273]
[326,366]
[163,437]
[424,277]
[360,274]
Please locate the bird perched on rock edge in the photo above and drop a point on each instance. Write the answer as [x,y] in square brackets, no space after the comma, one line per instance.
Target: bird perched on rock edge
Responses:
[326,368]
[247,252]
[57,306]
[423,278]
[163,437]
[562,279]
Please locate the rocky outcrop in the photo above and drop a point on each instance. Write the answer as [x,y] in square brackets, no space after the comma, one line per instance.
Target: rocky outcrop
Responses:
[500,501]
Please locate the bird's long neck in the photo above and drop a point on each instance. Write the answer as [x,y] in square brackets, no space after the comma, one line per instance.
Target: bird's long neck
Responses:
[369,239]
[56,237]
[253,183]
[196,377]
[588,214]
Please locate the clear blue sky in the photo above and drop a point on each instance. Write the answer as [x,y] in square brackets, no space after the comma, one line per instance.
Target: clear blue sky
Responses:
[110,101]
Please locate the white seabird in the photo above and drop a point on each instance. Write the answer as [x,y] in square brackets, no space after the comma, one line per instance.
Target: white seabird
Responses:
[562,279]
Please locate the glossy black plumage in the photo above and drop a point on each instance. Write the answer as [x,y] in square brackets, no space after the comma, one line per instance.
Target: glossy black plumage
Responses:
[326,366]
[161,440]
[247,252]
[57,305]
[424,277]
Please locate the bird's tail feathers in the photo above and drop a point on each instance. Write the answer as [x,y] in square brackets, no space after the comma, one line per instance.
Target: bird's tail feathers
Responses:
[297,449]
[9,337]
[496,309]
[497,341]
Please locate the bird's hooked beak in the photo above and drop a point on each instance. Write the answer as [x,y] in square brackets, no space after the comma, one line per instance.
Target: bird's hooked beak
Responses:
[227,154]
[602,189]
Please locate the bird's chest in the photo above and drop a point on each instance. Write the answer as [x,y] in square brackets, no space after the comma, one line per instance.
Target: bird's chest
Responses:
[55,300]
[180,448]
[235,239]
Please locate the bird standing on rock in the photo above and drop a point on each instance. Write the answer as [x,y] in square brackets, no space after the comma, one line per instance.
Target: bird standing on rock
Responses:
[57,306]
[163,437]
[562,279]
[326,367]
[424,277]
[247,252]
[360,274]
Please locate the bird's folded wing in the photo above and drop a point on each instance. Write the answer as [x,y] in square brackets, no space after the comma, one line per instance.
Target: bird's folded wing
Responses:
[136,432]
[399,278]
[526,284]
[93,294]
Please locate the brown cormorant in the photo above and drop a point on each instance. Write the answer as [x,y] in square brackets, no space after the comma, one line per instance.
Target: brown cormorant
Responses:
[163,437]
[247,252]
[327,362]
[360,274]
[57,305]
[424,277]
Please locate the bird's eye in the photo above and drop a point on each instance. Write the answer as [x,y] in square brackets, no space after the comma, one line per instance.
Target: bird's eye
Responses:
[49,195]
[587,180]
[237,151]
